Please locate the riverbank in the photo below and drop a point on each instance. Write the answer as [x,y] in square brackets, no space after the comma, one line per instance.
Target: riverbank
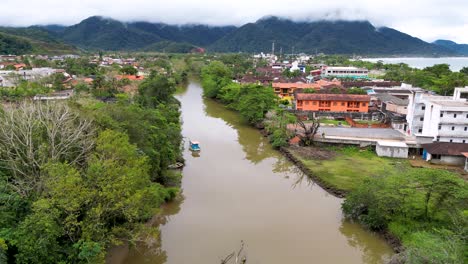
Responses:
[328,168]
[342,169]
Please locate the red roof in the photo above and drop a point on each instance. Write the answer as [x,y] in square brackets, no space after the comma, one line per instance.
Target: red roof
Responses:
[446,148]
[296,85]
[333,97]
[130,77]
[465,154]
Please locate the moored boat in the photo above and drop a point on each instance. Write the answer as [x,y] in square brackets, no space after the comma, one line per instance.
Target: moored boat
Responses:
[194,145]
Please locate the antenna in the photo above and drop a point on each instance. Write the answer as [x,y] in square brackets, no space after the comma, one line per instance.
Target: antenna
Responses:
[273,48]
[281,51]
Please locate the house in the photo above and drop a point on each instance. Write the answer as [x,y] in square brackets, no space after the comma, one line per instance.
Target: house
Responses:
[390,103]
[392,149]
[287,89]
[332,102]
[284,89]
[439,118]
[445,153]
[345,72]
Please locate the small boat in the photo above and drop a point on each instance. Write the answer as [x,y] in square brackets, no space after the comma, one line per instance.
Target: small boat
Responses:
[176,165]
[194,146]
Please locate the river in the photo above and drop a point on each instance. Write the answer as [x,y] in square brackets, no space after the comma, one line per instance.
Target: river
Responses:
[456,63]
[239,188]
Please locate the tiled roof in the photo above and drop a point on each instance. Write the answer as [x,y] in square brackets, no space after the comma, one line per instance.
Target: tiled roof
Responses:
[333,97]
[446,148]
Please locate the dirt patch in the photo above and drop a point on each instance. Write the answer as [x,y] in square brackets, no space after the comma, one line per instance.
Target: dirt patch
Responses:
[314,153]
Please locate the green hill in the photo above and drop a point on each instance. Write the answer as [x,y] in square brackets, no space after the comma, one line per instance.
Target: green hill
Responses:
[462,49]
[330,37]
[341,37]
[31,40]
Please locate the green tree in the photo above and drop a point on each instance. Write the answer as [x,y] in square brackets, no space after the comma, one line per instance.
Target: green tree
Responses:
[214,77]
[129,70]
[464,70]
[256,102]
[155,90]
[356,90]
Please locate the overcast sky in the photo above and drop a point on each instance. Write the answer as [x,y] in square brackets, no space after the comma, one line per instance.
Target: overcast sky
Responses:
[426,19]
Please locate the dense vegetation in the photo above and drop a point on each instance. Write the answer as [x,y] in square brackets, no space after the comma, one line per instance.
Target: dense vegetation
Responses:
[337,37]
[81,176]
[107,34]
[438,78]
[425,208]
[14,45]
[30,40]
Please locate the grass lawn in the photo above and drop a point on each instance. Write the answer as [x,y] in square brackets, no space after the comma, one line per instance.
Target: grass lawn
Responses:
[365,122]
[333,122]
[350,166]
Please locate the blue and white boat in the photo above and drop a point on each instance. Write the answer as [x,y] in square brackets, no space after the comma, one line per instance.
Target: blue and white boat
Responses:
[194,146]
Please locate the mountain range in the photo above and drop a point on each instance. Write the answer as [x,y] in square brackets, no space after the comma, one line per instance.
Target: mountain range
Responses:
[330,37]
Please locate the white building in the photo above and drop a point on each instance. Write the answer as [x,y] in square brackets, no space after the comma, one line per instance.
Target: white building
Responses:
[345,72]
[439,118]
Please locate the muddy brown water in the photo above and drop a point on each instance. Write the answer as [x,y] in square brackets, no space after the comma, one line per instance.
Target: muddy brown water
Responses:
[239,188]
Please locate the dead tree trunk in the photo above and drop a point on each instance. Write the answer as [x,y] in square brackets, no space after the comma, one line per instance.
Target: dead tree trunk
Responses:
[309,130]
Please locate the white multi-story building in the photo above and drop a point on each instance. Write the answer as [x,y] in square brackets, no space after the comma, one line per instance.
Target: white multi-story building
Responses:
[439,118]
[345,72]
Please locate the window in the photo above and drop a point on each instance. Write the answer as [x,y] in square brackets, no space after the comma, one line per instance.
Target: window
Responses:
[438,138]
[363,104]
[306,102]
[466,128]
[436,156]
[464,141]
[454,115]
[441,115]
[440,127]
[420,130]
[423,107]
[335,103]
[451,141]
[421,119]
[467,116]
[342,104]
[314,103]
[453,128]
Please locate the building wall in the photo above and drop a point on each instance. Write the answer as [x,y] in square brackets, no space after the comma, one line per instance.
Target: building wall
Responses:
[428,117]
[332,106]
[452,160]
[466,164]
[392,152]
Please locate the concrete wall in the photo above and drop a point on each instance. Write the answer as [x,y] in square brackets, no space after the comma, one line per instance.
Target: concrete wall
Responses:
[450,160]
[392,152]
[466,164]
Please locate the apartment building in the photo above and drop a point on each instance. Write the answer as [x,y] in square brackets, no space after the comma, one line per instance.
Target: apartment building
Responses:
[439,118]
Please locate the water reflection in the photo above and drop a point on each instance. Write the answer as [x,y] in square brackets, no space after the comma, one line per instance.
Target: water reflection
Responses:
[253,143]
[359,238]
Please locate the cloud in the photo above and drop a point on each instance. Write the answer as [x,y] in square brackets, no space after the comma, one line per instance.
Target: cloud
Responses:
[426,19]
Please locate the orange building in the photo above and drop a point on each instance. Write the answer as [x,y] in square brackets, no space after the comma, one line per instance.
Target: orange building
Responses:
[287,89]
[332,102]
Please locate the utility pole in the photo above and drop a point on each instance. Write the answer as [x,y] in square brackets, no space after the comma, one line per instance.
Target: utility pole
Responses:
[273,48]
